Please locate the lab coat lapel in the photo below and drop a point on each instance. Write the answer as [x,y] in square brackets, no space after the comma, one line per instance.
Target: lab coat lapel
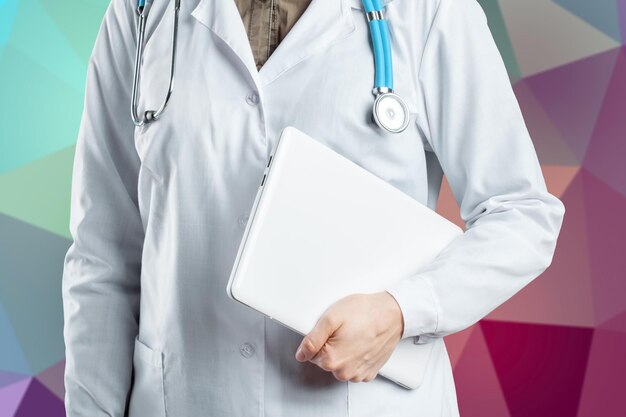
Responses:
[223,18]
[322,23]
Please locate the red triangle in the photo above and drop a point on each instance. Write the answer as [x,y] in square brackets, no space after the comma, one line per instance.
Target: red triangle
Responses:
[540,368]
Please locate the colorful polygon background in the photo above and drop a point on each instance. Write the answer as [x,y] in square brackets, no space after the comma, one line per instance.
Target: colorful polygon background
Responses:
[558,348]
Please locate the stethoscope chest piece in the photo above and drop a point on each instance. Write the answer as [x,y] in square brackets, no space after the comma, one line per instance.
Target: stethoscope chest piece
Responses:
[390,112]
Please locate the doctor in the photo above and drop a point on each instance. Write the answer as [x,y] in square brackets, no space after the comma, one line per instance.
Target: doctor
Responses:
[158,210]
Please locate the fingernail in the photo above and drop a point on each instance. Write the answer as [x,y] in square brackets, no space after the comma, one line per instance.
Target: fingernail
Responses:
[300,354]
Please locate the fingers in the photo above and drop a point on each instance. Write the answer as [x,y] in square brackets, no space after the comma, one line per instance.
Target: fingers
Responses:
[364,369]
[363,373]
[315,340]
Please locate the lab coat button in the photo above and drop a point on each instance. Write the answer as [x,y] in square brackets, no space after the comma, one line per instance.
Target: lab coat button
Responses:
[252,98]
[247,349]
[243,220]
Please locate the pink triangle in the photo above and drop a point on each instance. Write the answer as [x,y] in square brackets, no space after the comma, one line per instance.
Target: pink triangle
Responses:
[606,242]
[562,294]
[558,178]
[11,396]
[456,342]
[447,205]
[605,378]
[616,324]
[478,390]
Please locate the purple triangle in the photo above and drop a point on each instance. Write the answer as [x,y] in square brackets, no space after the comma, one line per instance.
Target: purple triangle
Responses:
[572,95]
[606,153]
[11,396]
[53,378]
[39,401]
[547,139]
[8,378]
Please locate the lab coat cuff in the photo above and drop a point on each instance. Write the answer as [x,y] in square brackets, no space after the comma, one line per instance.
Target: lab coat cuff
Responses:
[418,304]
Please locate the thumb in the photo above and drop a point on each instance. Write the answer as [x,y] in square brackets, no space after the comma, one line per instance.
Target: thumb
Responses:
[315,340]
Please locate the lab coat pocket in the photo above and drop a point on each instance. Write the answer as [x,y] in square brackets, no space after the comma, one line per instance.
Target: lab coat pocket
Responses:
[147,397]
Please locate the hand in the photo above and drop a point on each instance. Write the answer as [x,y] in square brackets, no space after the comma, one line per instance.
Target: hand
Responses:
[355,336]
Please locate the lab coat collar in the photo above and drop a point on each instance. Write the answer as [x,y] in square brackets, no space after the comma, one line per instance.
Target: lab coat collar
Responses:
[358,4]
[322,23]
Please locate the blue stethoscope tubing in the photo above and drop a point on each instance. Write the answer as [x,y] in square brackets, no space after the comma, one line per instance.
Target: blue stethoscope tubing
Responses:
[389,112]
[382,47]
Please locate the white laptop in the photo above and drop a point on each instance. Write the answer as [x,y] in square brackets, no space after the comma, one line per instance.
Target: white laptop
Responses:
[321,228]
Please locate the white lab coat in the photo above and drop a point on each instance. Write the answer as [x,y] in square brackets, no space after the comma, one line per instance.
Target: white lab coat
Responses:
[158,211]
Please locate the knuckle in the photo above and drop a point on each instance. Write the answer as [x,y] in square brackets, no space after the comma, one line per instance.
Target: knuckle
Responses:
[356,378]
[328,364]
[329,320]
[330,360]
[342,375]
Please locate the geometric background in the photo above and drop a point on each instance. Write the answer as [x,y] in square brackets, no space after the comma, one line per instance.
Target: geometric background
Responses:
[557,348]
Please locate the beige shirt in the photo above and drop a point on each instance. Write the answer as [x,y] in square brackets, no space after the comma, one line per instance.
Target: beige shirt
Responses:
[267,23]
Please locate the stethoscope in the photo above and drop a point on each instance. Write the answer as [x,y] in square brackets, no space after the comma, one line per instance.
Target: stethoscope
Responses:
[151,115]
[389,111]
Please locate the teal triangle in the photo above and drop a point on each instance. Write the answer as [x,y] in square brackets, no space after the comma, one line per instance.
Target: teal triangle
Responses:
[30,290]
[8,8]
[12,358]
[79,22]
[39,113]
[601,14]
[501,37]
[36,35]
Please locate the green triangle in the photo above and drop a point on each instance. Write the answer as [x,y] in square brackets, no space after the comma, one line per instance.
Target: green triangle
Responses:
[501,36]
[39,193]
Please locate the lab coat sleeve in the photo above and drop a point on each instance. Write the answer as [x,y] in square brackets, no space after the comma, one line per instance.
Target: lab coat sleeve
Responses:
[100,284]
[472,121]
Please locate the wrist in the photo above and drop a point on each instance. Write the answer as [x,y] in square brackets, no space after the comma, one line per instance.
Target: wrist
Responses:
[393,310]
